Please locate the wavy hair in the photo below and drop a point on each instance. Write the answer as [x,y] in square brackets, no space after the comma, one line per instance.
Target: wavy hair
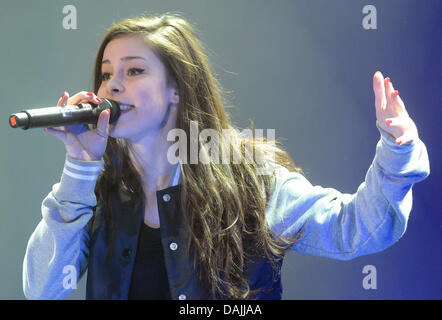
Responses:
[223,204]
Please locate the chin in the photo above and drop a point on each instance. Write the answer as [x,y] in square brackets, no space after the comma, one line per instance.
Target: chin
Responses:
[133,131]
[117,132]
[124,133]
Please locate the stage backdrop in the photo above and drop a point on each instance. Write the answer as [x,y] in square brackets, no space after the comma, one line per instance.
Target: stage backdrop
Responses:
[303,68]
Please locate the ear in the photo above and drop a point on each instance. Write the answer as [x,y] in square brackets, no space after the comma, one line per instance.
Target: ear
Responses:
[173,93]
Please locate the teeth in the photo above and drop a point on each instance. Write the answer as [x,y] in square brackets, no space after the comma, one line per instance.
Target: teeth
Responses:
[124,107]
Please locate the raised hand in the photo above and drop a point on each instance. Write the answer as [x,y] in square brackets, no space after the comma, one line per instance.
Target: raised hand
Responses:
[390,111]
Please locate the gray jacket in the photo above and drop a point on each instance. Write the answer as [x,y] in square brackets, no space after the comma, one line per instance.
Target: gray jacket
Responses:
[335,225]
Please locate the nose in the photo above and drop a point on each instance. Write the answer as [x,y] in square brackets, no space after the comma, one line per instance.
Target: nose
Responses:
[115,86]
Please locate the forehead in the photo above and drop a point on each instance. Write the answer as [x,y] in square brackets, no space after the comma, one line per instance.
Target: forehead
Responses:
[125,46]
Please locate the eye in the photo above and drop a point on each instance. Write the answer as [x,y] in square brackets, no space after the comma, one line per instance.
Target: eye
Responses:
[135,70]
[105,76]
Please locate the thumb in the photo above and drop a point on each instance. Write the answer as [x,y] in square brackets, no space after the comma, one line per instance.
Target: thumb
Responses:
[60,134]
[103,124]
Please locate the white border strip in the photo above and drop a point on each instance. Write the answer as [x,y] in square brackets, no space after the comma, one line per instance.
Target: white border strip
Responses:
[79,176]
[83,168]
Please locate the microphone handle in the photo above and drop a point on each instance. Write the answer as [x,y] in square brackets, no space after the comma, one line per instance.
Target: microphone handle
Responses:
[84,113]
[54,117]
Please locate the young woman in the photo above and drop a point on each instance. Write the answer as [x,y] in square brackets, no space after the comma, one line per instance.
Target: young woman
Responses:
[147,228]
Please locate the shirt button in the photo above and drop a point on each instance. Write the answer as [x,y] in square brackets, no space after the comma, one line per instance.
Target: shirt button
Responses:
[166,197]
[173,246]
[126,253]
[182,297]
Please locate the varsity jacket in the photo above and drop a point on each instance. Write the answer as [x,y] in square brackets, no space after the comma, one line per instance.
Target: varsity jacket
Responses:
[70,238]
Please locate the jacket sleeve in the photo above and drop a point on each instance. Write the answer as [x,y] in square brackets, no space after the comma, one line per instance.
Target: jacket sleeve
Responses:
[58,249]
[344,226]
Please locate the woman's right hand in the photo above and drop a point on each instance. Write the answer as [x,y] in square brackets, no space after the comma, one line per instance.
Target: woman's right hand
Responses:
[80,142]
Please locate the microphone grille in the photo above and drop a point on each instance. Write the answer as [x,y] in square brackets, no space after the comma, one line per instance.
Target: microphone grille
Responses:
[114,107]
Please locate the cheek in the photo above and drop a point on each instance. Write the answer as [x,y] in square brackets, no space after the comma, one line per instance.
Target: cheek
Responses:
[152,96]
[100,92]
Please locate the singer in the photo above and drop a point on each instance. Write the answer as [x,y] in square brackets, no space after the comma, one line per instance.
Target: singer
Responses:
[146,228]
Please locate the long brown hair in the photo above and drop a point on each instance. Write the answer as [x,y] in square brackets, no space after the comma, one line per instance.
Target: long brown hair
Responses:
[223,204]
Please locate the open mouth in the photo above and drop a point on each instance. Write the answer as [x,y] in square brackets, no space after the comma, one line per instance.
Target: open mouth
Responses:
[125,108]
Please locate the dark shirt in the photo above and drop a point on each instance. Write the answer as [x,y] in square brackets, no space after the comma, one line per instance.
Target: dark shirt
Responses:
[149,276]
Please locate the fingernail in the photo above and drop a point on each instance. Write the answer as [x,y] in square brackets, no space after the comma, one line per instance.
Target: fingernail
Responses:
[399,143]
[90,94]
[64,94]
[388,121]
[396,92]
[99,100]
[388,79]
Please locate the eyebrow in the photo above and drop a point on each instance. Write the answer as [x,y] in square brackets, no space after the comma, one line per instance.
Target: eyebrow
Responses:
[124,59]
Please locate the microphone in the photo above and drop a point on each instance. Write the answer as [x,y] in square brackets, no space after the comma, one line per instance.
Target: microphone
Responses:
[83,113]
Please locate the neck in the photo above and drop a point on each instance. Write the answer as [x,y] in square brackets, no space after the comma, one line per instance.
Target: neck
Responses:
[149,156]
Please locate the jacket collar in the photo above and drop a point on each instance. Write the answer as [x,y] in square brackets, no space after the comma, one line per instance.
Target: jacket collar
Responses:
[174,180]
[175,176]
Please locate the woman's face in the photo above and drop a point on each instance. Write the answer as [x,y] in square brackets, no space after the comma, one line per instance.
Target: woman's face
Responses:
[133,75]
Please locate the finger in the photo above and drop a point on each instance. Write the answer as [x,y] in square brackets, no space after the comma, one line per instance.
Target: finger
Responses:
[401,122]
[379,91]
[103,123]
[62,102]
[93,97]
[389,89]
[57,133]
[405,138]
[63,99]
[398,105]
[84,96]
[408,131]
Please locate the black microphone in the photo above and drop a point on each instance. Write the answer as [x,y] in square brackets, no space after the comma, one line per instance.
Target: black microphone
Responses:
[83,113]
